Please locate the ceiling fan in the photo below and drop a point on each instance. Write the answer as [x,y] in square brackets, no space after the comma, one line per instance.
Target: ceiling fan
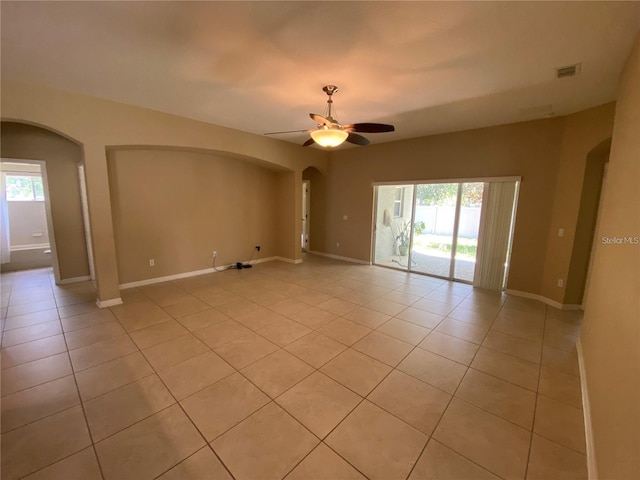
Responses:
[330,133]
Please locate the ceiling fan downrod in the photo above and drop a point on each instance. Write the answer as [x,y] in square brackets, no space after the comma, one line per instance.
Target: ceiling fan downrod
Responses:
[330,90]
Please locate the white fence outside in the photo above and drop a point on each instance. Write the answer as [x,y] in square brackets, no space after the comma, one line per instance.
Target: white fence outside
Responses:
[438,220]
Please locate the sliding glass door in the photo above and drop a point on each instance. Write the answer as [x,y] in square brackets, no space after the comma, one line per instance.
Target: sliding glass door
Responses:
[435,229]
[466,246]
[392,230]
[446,224]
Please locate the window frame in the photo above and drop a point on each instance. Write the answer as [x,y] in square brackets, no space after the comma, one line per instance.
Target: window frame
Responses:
[32,178]
[398,203]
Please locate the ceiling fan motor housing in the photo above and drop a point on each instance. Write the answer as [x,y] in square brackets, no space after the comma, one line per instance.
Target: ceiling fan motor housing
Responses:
[330,89]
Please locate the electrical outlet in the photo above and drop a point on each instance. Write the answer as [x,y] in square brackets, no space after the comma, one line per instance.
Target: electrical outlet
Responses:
[152,262]
[258,248]
[215,254]
[560,282]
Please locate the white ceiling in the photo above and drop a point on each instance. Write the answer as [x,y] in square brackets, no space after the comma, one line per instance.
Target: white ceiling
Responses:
[426,67]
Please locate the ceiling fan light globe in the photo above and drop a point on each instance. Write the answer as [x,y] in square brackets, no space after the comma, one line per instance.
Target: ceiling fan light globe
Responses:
[329,137]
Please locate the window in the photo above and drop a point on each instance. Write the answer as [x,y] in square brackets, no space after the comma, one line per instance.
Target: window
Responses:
[24,188]
[397,202]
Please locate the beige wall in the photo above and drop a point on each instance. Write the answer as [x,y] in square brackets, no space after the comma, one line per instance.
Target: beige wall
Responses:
[583,131]
[176,207]
[611,330]
[530,150]
[62,157]
[26,221]
[289,218]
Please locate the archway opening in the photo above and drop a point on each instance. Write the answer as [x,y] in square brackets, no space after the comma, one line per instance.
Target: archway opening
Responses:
[61,157]
[592,184]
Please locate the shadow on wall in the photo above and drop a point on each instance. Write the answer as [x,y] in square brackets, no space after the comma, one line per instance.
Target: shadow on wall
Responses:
[62,157]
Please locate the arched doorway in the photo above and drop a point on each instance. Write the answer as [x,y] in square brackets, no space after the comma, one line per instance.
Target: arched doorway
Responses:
[592,184]
[61,158]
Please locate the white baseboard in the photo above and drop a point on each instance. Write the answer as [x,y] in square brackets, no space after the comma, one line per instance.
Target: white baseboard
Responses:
[288,260]
[195,273]
[67,281]
[266,259]
[33,246]
[540,298]
[109,303]
[338,257]
[586,411]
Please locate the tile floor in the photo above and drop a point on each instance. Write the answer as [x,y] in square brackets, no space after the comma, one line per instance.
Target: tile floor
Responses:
[321,370]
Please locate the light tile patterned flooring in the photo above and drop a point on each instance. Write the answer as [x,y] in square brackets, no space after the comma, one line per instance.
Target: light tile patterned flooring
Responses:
[321,370]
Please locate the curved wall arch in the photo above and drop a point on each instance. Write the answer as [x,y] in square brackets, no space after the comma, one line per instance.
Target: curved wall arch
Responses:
[62,156]
[586,223]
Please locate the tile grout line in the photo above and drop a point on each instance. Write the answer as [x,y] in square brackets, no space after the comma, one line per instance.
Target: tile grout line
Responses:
[84,413]
[441,416]
[271,400]
[156,374]
[453,395]
[363,399]
[535,407]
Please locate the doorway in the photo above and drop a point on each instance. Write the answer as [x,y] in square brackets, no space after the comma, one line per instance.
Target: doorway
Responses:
[25,217]
[437,228]
[84,203]
[61,155]
[304,240]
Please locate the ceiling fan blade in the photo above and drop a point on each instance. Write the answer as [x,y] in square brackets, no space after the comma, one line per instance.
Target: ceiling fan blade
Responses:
[369,127]
[311,141]
[320,119]
[286,131]
[357,139]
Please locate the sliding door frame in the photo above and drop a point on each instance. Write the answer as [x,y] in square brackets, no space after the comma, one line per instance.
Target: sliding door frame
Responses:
[456,228]
[413,219]
[459,181]
[450,180]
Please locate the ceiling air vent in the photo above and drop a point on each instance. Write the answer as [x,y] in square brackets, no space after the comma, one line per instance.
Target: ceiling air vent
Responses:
[569,70]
